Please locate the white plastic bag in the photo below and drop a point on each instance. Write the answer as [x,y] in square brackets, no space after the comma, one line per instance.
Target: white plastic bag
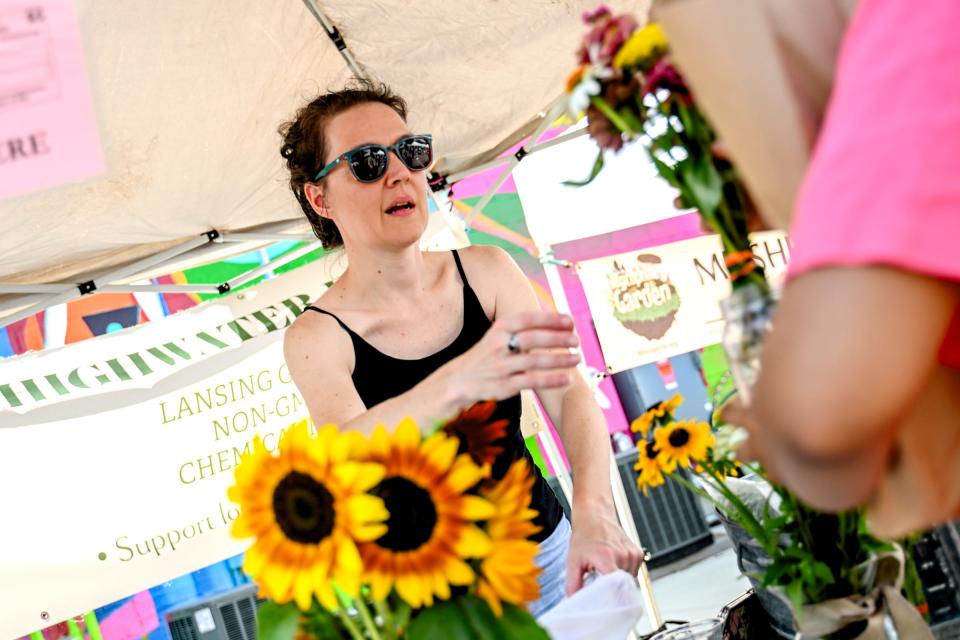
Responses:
[608,607]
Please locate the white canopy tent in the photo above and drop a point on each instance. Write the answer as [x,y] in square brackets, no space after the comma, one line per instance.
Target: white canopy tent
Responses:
[189,95]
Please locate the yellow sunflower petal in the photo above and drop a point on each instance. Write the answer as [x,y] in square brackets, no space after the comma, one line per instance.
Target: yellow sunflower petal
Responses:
[278,581]
[370,474]
[380,585]
[364,508]
[472,543]
[326,595]
[464,474]
[440,586]
[348,558]
[485,591]
[368,532]
[406,435]
[379,443]
[458,572]
[472,508]
[443,450]
[350,583]
[410,588]
[303,594]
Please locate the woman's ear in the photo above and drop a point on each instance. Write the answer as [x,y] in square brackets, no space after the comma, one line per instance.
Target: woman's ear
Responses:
[314,193]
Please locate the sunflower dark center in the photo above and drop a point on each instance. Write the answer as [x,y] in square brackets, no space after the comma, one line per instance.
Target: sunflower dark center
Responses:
[679,437]
[303,508]
[652,451]
[413,515]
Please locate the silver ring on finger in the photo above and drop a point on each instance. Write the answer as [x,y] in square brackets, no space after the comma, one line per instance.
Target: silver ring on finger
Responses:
[513,344]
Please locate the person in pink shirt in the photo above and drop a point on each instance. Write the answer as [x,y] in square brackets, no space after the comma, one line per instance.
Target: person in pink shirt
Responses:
[858,401]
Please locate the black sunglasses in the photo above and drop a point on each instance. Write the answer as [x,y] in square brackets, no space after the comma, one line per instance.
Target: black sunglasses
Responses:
[368,163]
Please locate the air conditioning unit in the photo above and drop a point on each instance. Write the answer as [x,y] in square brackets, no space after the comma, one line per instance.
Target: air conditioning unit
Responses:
[669,519]
[227,616]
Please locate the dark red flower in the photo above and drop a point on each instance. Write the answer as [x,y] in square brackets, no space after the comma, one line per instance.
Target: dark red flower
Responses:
[663,75]
[476,432]
[606,36]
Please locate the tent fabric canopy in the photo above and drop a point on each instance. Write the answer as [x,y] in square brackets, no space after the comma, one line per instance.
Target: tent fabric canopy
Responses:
[189,95]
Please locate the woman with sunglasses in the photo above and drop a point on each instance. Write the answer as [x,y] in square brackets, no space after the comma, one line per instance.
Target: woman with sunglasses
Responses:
[428,334]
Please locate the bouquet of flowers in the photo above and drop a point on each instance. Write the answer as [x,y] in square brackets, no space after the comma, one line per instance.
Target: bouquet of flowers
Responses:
[630,91]
[806,565]
[398,535]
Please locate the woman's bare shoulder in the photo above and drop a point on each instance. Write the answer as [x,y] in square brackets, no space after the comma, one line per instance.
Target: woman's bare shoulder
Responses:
[319,338]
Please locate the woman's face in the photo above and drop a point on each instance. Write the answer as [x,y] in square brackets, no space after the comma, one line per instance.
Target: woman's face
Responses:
[372,214]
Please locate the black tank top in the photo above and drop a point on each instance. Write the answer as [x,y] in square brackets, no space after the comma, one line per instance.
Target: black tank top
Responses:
[379,377]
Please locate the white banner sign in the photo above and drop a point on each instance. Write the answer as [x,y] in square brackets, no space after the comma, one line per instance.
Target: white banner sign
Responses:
[663,301]
[116,453]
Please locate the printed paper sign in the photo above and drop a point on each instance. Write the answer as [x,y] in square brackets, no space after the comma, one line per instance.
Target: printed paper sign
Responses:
[48,133]
[662,301]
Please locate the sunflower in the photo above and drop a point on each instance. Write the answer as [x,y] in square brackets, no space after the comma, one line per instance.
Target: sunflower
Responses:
[671,405]
[509,573]
[431,529]
[307,508]
[663,408]
[648,464]
[683,441]
[477,433]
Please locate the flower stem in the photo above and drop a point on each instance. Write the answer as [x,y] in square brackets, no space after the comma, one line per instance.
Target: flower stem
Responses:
[403,616]
[383,609]
[611,114]
[349,624]
[361,605]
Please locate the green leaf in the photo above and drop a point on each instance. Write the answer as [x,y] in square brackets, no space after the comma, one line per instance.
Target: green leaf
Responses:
[470,618]
[822,571]
[795,594]
[703,179]
[443,620]
[773,574]
[666,172]
[277,621]
[597,167]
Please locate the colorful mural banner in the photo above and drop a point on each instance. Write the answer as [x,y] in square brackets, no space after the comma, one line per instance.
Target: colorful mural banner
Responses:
[662,301]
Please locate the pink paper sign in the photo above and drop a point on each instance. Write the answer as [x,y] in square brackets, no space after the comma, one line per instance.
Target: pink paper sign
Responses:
[48,133]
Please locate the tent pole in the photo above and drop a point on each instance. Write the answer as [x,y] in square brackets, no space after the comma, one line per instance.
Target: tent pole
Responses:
[273,264]
[488,196]
[616,482]
[158,288]
[453,178]
[266,237]
[335,36]
[70,291]
[545,122]
[31,288]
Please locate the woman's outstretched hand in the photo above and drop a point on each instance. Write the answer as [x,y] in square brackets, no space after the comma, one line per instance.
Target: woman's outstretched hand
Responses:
[528,350]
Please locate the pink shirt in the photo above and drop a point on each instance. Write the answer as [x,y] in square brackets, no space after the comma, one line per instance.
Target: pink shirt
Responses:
[884,183]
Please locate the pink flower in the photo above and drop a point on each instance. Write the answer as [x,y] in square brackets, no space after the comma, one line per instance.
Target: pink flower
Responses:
[607,35]
[603,11]
[663,75]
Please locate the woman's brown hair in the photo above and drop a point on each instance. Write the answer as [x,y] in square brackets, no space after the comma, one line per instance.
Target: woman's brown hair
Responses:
[305,145]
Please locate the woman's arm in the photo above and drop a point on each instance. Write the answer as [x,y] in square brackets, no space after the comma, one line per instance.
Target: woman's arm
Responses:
[852,352]
[320,357]
[598,540]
